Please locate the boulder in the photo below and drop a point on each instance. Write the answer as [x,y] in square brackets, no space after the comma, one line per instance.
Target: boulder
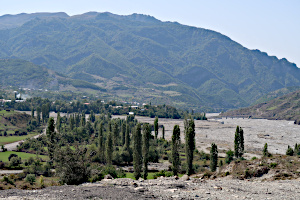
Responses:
[108,176]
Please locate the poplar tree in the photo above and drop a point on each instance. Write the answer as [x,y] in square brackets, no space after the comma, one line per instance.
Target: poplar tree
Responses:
[32,112]
[115,134]
[109,149]
[146,139]
[213,157]
[156,127]
[38,115]
[123,132]
[51,138]
[238,142]
[137,151]
[58,122]
[175,150]
[127,137]
[101,142]
[189,144]
[163,132]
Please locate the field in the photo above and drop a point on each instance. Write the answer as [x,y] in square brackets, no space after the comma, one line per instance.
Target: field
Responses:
[11,139]
[24,156]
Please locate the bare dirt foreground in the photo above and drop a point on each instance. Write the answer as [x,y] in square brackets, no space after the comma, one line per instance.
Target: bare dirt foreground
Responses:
[165,188]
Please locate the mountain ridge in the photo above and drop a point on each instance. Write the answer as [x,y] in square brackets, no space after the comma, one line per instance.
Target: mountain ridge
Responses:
[206,68]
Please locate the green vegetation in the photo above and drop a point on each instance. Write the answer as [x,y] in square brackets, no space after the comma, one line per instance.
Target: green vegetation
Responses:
[24,156]
[140,57]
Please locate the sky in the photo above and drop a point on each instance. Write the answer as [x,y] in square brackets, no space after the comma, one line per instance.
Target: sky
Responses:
[272,26]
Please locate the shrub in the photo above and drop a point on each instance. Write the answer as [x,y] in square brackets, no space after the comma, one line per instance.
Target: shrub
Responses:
[229,156]
[289,151]
[41,182]
[15,162]
[7,180]
[30,178]
[273,165]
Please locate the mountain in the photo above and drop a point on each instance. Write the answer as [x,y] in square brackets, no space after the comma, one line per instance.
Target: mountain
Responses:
[142,58]
[286,107]
[21,73]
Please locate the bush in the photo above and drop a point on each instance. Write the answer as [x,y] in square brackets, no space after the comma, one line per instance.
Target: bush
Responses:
[41,182]
[30,178]
[229,156]
[7,180]
[15,162]
[163,173]
[273,165]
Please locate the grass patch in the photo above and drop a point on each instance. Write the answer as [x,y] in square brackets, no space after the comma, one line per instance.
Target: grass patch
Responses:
[11,139]
[24,156]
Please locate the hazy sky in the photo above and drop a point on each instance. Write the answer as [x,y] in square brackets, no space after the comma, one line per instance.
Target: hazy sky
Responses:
[272,26]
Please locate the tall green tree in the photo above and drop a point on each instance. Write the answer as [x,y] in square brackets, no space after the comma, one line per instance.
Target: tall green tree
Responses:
[189,144]
[38,115]
[115,134]
[51,138]
[175,150]
[156,127]
[123,133]
[101,143]
[146,140]
[58,122]
[239,142]
[163,132]
[137,151]
[127,137]
[32,112]
[213,157]
[109,148]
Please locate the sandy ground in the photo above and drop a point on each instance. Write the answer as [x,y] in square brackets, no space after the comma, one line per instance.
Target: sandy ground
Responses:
[277,133]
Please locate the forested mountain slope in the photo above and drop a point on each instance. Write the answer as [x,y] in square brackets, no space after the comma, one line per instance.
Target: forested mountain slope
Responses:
[140,57]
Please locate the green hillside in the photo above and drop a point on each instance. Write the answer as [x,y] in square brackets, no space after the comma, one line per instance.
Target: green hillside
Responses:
[140,57]
[286,107]
[20,73]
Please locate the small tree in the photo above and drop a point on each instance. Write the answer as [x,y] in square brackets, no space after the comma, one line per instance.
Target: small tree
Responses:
[265,150]
[289,151]
[163,132]
[175,150]
[213,157]
[30,178]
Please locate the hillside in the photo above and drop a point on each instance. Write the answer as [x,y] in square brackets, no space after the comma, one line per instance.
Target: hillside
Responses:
[286,107]
[20,73]
[139,57]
